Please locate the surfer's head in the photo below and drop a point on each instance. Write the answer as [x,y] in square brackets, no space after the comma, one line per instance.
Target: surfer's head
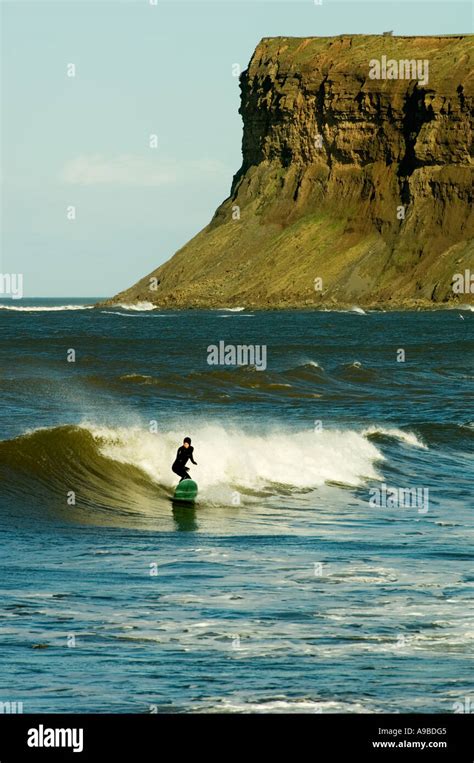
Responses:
[187,442]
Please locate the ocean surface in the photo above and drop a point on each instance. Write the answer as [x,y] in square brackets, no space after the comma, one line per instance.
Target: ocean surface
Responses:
[301,580]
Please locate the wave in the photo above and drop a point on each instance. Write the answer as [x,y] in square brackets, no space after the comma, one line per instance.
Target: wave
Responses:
[356,309]
[233,457]
[308,379]
[467,308]
[427,435]
[46,309]
[140,378]
[356,372]
[399,434]
[239,381]
[55,461]
[132,315]
[287,705]
[138,306]
[243,383]
[448,435]
[117,467]
[307,364]
[309,371]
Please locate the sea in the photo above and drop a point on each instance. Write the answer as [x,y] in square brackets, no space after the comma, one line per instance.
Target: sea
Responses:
[327,563]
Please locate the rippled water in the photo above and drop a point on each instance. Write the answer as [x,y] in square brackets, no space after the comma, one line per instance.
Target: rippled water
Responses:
[286,588]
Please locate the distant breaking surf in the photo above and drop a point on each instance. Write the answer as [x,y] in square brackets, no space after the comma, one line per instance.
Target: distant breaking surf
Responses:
[140,306]
[45,309]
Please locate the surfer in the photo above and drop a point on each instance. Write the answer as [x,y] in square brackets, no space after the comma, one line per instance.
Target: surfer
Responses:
[184,453]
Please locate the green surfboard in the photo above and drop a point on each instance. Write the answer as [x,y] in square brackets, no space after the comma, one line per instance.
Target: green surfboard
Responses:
[186,491]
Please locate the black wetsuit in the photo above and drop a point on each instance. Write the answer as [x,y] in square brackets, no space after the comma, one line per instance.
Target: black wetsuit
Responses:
[179,466]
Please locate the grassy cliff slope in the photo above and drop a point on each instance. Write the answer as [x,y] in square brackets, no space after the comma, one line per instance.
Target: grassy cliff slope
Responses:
[352,189]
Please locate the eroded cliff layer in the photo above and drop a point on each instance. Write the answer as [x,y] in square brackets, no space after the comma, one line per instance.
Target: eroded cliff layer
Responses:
[353,189]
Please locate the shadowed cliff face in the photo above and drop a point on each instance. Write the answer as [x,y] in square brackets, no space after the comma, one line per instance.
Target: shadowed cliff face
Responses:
[352,189]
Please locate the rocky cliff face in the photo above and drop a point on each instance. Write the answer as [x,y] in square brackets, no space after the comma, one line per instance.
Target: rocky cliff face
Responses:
[353,189]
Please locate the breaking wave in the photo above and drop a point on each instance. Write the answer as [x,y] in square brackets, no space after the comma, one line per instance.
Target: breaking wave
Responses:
[45,309]
[122,466]
[138,306]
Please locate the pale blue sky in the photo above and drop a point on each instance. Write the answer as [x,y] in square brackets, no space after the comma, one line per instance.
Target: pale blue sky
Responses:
[140,69]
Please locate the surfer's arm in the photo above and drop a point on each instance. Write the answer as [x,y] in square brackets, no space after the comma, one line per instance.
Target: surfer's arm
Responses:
[192,459]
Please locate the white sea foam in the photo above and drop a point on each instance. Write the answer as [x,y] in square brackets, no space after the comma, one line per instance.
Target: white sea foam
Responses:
[138,306]
[229,456]
[135,314]
[354,309]
[290,705]
[45,308]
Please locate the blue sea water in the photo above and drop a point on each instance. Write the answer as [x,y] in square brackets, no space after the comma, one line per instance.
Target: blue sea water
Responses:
[288,586]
